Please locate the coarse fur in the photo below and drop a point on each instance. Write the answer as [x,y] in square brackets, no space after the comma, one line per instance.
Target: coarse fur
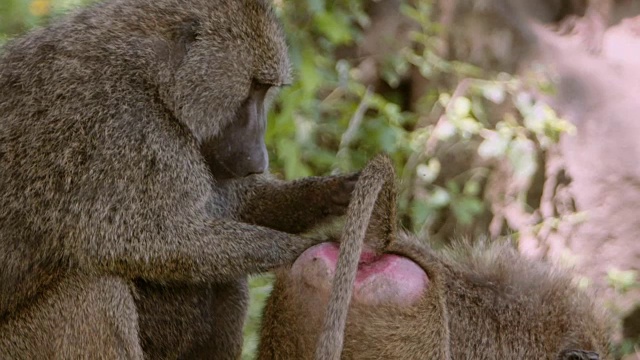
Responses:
[483,301]
[372,207]
[122,187]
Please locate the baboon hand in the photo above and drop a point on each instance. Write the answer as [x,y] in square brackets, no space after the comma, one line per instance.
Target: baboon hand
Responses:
[341,189]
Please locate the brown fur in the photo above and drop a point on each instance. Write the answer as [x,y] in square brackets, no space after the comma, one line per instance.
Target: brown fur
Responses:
[484,301]
[108,119]
[170,328]
[372,213]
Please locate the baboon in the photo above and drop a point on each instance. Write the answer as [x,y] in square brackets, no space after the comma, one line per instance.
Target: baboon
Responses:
[133,194]
[476,300]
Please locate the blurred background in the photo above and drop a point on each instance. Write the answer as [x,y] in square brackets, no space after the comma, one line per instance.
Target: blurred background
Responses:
[496,128]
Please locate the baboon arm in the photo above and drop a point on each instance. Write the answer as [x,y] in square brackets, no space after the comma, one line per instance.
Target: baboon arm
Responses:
[296,206]
[219,252]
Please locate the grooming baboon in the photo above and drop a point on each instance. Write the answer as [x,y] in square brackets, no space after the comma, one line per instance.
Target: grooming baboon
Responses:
[470,301]
[128,132]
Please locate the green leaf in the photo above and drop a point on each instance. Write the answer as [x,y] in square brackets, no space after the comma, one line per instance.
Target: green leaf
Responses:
[334,27]
[388,139]
[466,208]
[494,145]
[461,107]
[471,188]
[317,6]
[429,172]
[309,72]
[420,212]
[439,198]
[522,155]
[468,126]
[622,280]
[445,131]
[494,92]
[289,154]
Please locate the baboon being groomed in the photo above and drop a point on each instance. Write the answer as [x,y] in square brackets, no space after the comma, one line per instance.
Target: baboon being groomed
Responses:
[469,301]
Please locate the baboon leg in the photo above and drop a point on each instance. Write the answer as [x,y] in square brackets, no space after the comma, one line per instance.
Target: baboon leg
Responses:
[227,311]
[77,318]
[184,321]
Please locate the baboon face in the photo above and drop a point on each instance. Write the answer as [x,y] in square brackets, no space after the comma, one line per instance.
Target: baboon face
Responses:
[461,304]
[239,150]
[225,67]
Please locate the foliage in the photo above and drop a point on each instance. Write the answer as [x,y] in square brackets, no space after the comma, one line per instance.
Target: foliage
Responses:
[260,289]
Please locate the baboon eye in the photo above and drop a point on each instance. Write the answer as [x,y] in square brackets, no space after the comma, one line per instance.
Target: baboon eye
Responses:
[181,38]
[188,32]
[261,87]
[267,91]
[578,355]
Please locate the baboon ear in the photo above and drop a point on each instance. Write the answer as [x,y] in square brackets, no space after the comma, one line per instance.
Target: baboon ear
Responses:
[572,354]
[186,33]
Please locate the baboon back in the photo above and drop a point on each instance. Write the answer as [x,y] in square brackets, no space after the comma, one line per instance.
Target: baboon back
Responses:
[476,300]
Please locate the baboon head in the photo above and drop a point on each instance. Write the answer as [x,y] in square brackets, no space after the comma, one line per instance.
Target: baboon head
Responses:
[213,64]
